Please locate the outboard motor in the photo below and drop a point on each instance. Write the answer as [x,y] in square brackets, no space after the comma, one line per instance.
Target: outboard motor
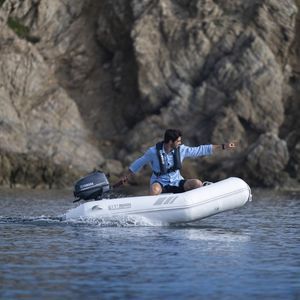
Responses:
[91,187]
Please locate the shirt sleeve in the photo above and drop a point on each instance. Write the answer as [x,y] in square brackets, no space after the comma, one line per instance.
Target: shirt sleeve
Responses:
[141,161]
[201,150]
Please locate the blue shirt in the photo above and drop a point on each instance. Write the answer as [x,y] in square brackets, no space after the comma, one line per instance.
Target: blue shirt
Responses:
[172,178]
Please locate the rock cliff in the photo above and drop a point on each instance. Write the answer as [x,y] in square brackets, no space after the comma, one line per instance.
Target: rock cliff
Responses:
[91,84]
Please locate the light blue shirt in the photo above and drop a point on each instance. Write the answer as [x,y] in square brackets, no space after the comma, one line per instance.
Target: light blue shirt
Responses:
[172,178]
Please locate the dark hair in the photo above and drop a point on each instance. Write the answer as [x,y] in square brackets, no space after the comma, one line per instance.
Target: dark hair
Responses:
[172,135]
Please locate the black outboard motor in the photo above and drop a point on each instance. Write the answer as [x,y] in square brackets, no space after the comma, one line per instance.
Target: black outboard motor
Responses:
[91,186]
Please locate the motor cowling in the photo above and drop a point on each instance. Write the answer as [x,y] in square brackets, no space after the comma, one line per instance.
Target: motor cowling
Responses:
[91,187]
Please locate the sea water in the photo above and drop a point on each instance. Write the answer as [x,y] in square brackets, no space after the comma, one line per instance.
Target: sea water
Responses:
[248,253]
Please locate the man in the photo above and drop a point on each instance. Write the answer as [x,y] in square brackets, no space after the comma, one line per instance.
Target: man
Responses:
[166,158]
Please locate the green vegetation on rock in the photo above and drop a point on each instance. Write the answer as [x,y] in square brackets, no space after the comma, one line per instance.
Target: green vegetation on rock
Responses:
[21,30]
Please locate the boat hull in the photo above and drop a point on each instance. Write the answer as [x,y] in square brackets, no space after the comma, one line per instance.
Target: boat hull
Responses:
[189,206]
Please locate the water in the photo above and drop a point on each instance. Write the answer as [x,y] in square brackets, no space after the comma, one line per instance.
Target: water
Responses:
[252,252]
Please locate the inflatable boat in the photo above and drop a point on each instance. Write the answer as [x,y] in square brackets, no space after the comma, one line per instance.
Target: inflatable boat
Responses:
[184,207]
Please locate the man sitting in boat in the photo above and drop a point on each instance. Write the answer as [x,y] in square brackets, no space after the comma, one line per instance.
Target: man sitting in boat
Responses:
[166,159]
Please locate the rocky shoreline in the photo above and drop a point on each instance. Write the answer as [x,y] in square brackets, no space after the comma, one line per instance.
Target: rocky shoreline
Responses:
[91,84]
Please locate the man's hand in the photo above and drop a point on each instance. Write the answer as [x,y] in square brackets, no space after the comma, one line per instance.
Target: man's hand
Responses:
[226,146]
[229,145]
[123,179]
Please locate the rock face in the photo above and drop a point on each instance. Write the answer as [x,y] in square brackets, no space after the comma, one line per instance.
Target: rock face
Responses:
[43,138]
[89,84]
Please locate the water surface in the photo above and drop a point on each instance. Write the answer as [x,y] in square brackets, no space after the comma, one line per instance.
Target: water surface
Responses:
[251,252]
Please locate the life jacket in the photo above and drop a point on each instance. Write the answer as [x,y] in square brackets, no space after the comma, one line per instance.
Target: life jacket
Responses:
[163,167]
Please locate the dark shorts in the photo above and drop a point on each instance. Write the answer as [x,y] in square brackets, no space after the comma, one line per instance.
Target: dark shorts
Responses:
[172,188]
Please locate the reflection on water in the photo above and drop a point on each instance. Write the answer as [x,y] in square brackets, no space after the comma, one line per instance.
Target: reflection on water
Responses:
[252,252]
[218,234]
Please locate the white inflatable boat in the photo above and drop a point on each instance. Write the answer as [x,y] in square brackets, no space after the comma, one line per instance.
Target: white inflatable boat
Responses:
[171,208]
